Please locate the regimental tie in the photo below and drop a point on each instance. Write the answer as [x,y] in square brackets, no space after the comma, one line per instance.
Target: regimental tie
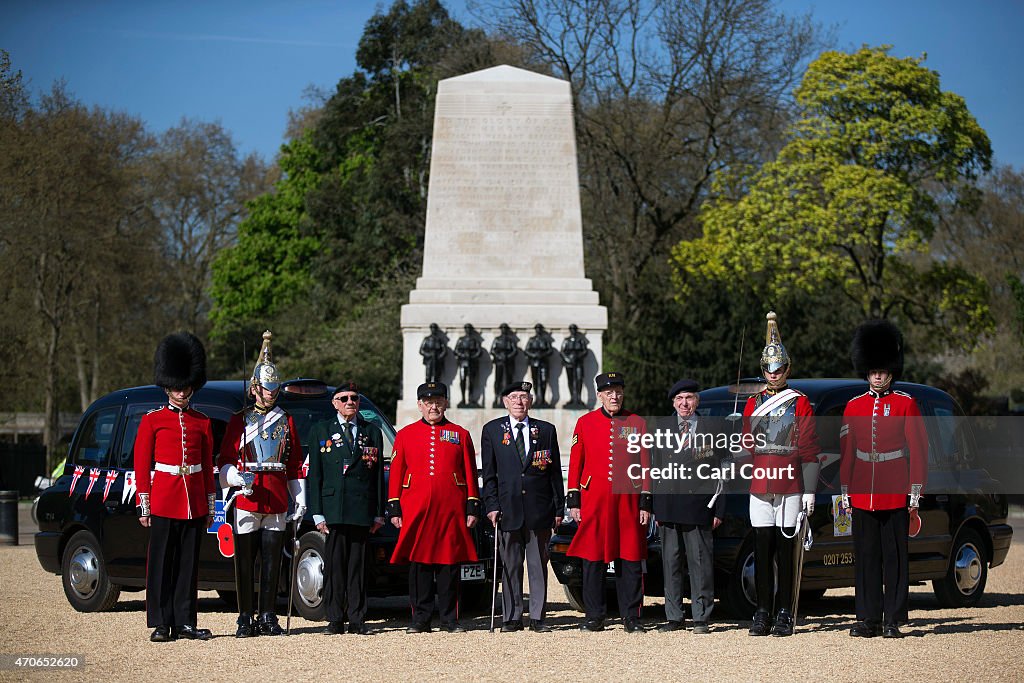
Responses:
[520,443]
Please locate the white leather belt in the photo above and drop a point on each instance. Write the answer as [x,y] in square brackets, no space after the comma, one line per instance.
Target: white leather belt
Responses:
[180,470]
[264,466]
[879,457]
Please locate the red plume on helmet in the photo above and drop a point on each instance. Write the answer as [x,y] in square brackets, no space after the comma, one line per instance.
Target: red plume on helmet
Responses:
[877,345]
[180,362]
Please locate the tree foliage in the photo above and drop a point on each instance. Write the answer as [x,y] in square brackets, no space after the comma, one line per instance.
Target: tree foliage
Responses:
[879,155]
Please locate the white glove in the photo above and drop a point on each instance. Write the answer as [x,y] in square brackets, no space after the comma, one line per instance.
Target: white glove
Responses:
[297,489]
[845,498]
[807,501]
[231,477]
[300,512]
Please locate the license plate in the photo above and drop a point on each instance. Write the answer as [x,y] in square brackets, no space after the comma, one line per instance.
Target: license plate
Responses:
[473,572]
[611,567]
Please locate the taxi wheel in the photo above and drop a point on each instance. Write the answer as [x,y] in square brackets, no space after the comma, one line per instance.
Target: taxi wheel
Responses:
[964,583]
[574,595]
[84,575]
[309,577]
[740,597]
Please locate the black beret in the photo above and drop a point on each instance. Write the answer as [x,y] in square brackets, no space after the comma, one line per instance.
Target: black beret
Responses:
[432,389]
[688,385]
[347,385]
[517,386]
[609,379]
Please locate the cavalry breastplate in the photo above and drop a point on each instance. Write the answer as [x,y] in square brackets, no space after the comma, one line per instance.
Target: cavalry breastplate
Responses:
[778,426]
[270,441]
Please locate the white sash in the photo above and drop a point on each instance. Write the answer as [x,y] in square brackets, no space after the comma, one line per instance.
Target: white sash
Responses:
[771,404]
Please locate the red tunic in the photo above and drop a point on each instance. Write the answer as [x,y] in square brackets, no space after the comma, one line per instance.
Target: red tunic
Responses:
[599,468]
[170,436]
[433,474]
[889,426]
[270,489]
[798,446]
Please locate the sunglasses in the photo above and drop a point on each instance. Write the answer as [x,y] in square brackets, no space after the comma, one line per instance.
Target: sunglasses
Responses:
[348,398]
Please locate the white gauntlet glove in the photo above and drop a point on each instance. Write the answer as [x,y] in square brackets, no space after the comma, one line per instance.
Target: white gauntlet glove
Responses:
[231,477]
[297,489]
[845,499]
[807,501]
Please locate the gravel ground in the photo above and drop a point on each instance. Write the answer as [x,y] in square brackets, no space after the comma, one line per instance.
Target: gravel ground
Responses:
[981,643]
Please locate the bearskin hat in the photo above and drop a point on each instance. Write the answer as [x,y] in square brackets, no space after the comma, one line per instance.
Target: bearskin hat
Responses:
[877,345]
[180,362]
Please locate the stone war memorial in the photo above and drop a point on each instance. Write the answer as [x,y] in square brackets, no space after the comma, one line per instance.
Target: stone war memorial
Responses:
[503,278]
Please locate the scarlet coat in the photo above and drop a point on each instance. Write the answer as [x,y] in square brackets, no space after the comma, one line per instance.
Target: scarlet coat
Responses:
[269,489]
[884,424]
[175,437]
[800,446]
[433,484]
[600,485]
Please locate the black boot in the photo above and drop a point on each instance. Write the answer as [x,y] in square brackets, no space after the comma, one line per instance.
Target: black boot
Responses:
[271,543]
[246,546]
[783,623]
[246,626]
[268,625]
[762,625]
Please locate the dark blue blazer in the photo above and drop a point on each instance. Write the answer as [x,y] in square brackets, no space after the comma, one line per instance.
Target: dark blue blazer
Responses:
[528,497]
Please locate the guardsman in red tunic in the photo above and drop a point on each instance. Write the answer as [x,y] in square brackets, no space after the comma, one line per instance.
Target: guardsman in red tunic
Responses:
[609,496]
[778,428]
[174,475]
[884,459]
[261,445]
[433,500]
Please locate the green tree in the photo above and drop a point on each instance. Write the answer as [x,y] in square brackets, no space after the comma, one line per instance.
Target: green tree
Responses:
[879,155]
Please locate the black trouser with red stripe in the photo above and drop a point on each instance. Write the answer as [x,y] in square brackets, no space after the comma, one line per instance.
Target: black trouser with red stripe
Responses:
[880,552]
[172,571]
[629,588]
[421,591]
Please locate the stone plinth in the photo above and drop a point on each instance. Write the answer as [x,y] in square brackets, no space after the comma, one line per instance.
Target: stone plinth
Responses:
[504,238]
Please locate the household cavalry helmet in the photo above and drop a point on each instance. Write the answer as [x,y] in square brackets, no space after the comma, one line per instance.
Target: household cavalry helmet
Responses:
[774,356]
[265,373]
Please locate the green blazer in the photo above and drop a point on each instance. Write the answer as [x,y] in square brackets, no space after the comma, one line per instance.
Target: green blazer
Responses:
[346,485]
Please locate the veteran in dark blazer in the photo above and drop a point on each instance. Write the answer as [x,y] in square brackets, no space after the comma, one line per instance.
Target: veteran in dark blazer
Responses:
[345,491]
[524,495]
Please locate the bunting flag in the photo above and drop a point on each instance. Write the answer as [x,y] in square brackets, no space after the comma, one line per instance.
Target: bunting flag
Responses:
[111,478]
[129,486]
[94,476]
[79,471]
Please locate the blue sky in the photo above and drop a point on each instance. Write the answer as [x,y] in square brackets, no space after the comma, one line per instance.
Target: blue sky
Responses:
[246,63]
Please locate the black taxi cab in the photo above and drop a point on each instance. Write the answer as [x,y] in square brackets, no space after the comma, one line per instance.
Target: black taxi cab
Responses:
[90,535]
[964,524]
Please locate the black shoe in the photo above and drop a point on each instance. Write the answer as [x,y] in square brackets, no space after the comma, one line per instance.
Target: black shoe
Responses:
[633,625]
[701,627]
[246,627]
[538,626]
[452,627]
[592,625]
[417,627]
[762,625]
[891,631]
[334,628]
[783,623]
[161,634]
[268,625]
[511,626]
[359,629]
[672,626]
[863,629]
[193,633]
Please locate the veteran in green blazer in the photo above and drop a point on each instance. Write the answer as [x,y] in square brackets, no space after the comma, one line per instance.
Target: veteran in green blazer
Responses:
[345,492]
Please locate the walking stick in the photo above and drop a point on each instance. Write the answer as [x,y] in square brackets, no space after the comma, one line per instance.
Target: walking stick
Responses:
[295,568]
[494,586]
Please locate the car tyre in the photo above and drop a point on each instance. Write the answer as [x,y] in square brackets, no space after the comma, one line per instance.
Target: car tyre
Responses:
[739,598]
[574,596]
[309,577]
[964,583]
[84,575]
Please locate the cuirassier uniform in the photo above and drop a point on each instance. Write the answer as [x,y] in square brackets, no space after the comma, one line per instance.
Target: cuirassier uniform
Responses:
[263,442]
[174,474]
[345,489]
[884,448]
[610,501]
[522,478]
[778,425]
[433,487]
